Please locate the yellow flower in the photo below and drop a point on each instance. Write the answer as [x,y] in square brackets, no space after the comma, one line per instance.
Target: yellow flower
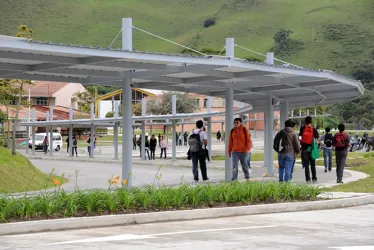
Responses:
[116,177]
[124,182]
[265,175]
[114,181]
[22,27]
[276,166]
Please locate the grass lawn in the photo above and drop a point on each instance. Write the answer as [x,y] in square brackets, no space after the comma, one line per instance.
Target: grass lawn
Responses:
[16,174]
[365,165]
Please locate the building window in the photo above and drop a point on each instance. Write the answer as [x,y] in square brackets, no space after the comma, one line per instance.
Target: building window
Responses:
[205,102]
[43,101]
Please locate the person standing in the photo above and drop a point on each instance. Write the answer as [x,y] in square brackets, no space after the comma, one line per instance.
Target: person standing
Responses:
[45,144]
[134,142]
[185,137]
[176,138]
[152,146]
[341,143]
[239,148]
[89,145]
[308,133]
[159,140]
[290,148]
[68,144]
[197,140]
[327,140]
[75,146]
[163,146]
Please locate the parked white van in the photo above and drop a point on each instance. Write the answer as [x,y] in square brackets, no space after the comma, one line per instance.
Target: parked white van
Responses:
[39,138]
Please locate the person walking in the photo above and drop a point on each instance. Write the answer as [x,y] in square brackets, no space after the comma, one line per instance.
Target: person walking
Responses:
[327,141]
[218,136]
[197,140]
[176,138]
[163,146]
[147,148]
[308,133]
[159,140]
[45,144]
[239,148]
[152,146]
[289,142]
[139,143]
[75,146]
[134,142]
[341,142]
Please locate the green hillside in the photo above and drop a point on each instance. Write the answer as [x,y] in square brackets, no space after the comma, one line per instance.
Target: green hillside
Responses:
[337,34]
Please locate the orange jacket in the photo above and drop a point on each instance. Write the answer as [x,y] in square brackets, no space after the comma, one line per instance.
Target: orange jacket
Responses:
[239,140]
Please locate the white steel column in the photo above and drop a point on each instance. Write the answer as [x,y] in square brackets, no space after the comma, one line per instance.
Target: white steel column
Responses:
[127,129]
[230,46]
[210,128]
[143,131]
[27,130]
[51,131]
[92,134]
[71,131]
[47,129]
[315,118]
[283,113]
[127,34]
[115,131]
[228,122]
[268,133]
[183,132]
[174,129]
[33,133]
[270,58]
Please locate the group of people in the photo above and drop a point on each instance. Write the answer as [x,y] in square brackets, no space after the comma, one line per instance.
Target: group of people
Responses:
[181,139]
[240,144]
[150,146]
[293,144]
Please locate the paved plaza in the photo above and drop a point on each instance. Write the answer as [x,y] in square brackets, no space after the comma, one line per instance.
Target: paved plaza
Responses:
[345,229]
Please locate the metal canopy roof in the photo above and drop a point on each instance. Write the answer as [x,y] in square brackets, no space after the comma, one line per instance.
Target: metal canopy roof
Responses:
[208,75]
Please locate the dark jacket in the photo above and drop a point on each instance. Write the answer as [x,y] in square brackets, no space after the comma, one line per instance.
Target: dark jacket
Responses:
[153,144]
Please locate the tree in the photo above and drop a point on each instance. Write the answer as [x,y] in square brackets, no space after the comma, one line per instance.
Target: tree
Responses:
[84,100]
[26,32]
[7,98]
[284,44]
[185,104]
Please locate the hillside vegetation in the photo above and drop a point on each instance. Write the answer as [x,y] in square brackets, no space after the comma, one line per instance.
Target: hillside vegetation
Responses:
[17,174]
[336,34]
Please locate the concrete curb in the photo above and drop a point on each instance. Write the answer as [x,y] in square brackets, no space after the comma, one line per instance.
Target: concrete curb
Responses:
[210,213]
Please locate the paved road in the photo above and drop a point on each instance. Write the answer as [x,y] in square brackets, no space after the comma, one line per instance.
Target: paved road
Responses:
[349,228]
[96,174]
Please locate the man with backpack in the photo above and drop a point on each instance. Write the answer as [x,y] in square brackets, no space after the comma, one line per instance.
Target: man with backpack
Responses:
[341,143]
[286,144]
[239,148]
[197,139]
[308,133]
[327,149]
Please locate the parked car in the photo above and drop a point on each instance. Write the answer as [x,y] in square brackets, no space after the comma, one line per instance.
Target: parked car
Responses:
[39,137]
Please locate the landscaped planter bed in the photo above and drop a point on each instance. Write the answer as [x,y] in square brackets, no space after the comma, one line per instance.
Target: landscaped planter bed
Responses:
[150,199]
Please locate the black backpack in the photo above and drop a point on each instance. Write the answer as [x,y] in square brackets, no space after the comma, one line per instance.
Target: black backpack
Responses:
[75,143]
[195,143]
[280,142]
[328,140]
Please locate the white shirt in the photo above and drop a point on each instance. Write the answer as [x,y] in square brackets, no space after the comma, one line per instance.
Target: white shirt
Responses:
[203,135]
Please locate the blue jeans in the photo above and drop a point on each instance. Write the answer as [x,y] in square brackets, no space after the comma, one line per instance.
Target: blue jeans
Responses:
[327,158]
[286,162]
[243,158]
[249,160]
